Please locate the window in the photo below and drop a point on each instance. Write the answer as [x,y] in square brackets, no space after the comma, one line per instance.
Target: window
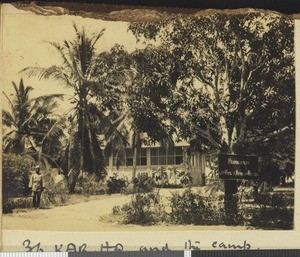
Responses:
[141,159]
[164,156]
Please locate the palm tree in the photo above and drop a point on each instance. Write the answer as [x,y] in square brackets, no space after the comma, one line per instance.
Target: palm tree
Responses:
[83,151]
[31,125]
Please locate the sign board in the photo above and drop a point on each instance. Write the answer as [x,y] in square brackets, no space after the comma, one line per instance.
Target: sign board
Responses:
[233,166]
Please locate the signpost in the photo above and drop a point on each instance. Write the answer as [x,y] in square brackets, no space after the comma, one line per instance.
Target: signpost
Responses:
[232,168]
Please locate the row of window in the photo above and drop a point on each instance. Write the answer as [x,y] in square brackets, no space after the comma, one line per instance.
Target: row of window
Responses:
[158,156]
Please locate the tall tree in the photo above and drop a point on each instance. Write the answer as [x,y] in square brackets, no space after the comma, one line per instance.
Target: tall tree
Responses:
[232,75]
[137,107]
[31,124]
[78,59]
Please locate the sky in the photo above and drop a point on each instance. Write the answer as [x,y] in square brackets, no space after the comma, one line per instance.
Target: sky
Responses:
[24,45]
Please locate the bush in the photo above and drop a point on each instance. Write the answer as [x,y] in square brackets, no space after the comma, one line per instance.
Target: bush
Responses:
[55,193]
[129,189]
[20,202]
[185,178]
[275,211]
[15,177]
[7,206]
[273,217]
[192,208]
[116,185]
[160,176]
[15,174]
[143,209]
[143,183]
[275,199]
[173,177]
[91,185]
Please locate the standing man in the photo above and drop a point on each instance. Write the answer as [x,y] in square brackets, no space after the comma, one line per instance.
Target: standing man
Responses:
[36,184]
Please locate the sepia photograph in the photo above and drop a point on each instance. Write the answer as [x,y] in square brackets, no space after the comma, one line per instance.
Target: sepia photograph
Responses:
[149,122]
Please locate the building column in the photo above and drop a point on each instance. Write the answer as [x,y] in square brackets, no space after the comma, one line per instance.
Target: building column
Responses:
[148,160]
[198,163]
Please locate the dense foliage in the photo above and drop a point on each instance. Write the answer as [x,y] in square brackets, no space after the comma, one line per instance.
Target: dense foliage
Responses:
[223,83]
[193,208]
[143,183]
[15,174]
[82,151]
[232,80]
[31,125]
[270,211]
[116,184]
[144,209]
[275,211]
[15,177]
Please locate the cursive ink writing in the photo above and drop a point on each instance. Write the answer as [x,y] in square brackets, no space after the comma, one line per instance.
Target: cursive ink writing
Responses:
[35,248]
[107,247]
[153,249]
[222,245]
[189,246]
[113,248]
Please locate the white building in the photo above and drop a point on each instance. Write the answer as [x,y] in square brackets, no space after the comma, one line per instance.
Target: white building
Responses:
[152,157]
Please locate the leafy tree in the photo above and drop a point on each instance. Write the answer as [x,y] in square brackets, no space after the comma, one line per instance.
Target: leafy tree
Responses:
[136,100]
[31,127]
[233,77]
[83,152]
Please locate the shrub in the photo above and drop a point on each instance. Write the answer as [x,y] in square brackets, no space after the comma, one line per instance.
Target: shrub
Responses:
[129,189]
[91,185]
[143,183]
[54,193]
[20,202]
[7,206]
[143,209]
[116,185]
[276,199]
[273,217]
[160,176]
[15,174]
[185,178]
[15,177]
[173,176]
[275,211]
[192,208]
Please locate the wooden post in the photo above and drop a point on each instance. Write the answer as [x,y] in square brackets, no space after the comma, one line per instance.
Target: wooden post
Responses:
[231,201]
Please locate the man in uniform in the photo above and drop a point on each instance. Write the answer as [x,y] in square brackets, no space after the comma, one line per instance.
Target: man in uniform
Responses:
[36,184]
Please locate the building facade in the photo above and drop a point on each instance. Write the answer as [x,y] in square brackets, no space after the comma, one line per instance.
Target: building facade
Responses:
[152,157]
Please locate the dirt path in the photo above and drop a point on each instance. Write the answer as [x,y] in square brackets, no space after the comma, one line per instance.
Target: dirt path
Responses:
[78,217]
[88,216]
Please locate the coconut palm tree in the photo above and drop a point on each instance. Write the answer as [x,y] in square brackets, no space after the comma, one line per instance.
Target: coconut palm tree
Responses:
[78,59]
[30,126]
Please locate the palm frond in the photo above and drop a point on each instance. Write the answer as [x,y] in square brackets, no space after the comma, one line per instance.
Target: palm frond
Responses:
[47,97]
[56,129]
[9,101]
[53,72]
[78,34]
[10,139]
[16,89]
[7,118]
[61,50]
[97,37]
[10,135]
